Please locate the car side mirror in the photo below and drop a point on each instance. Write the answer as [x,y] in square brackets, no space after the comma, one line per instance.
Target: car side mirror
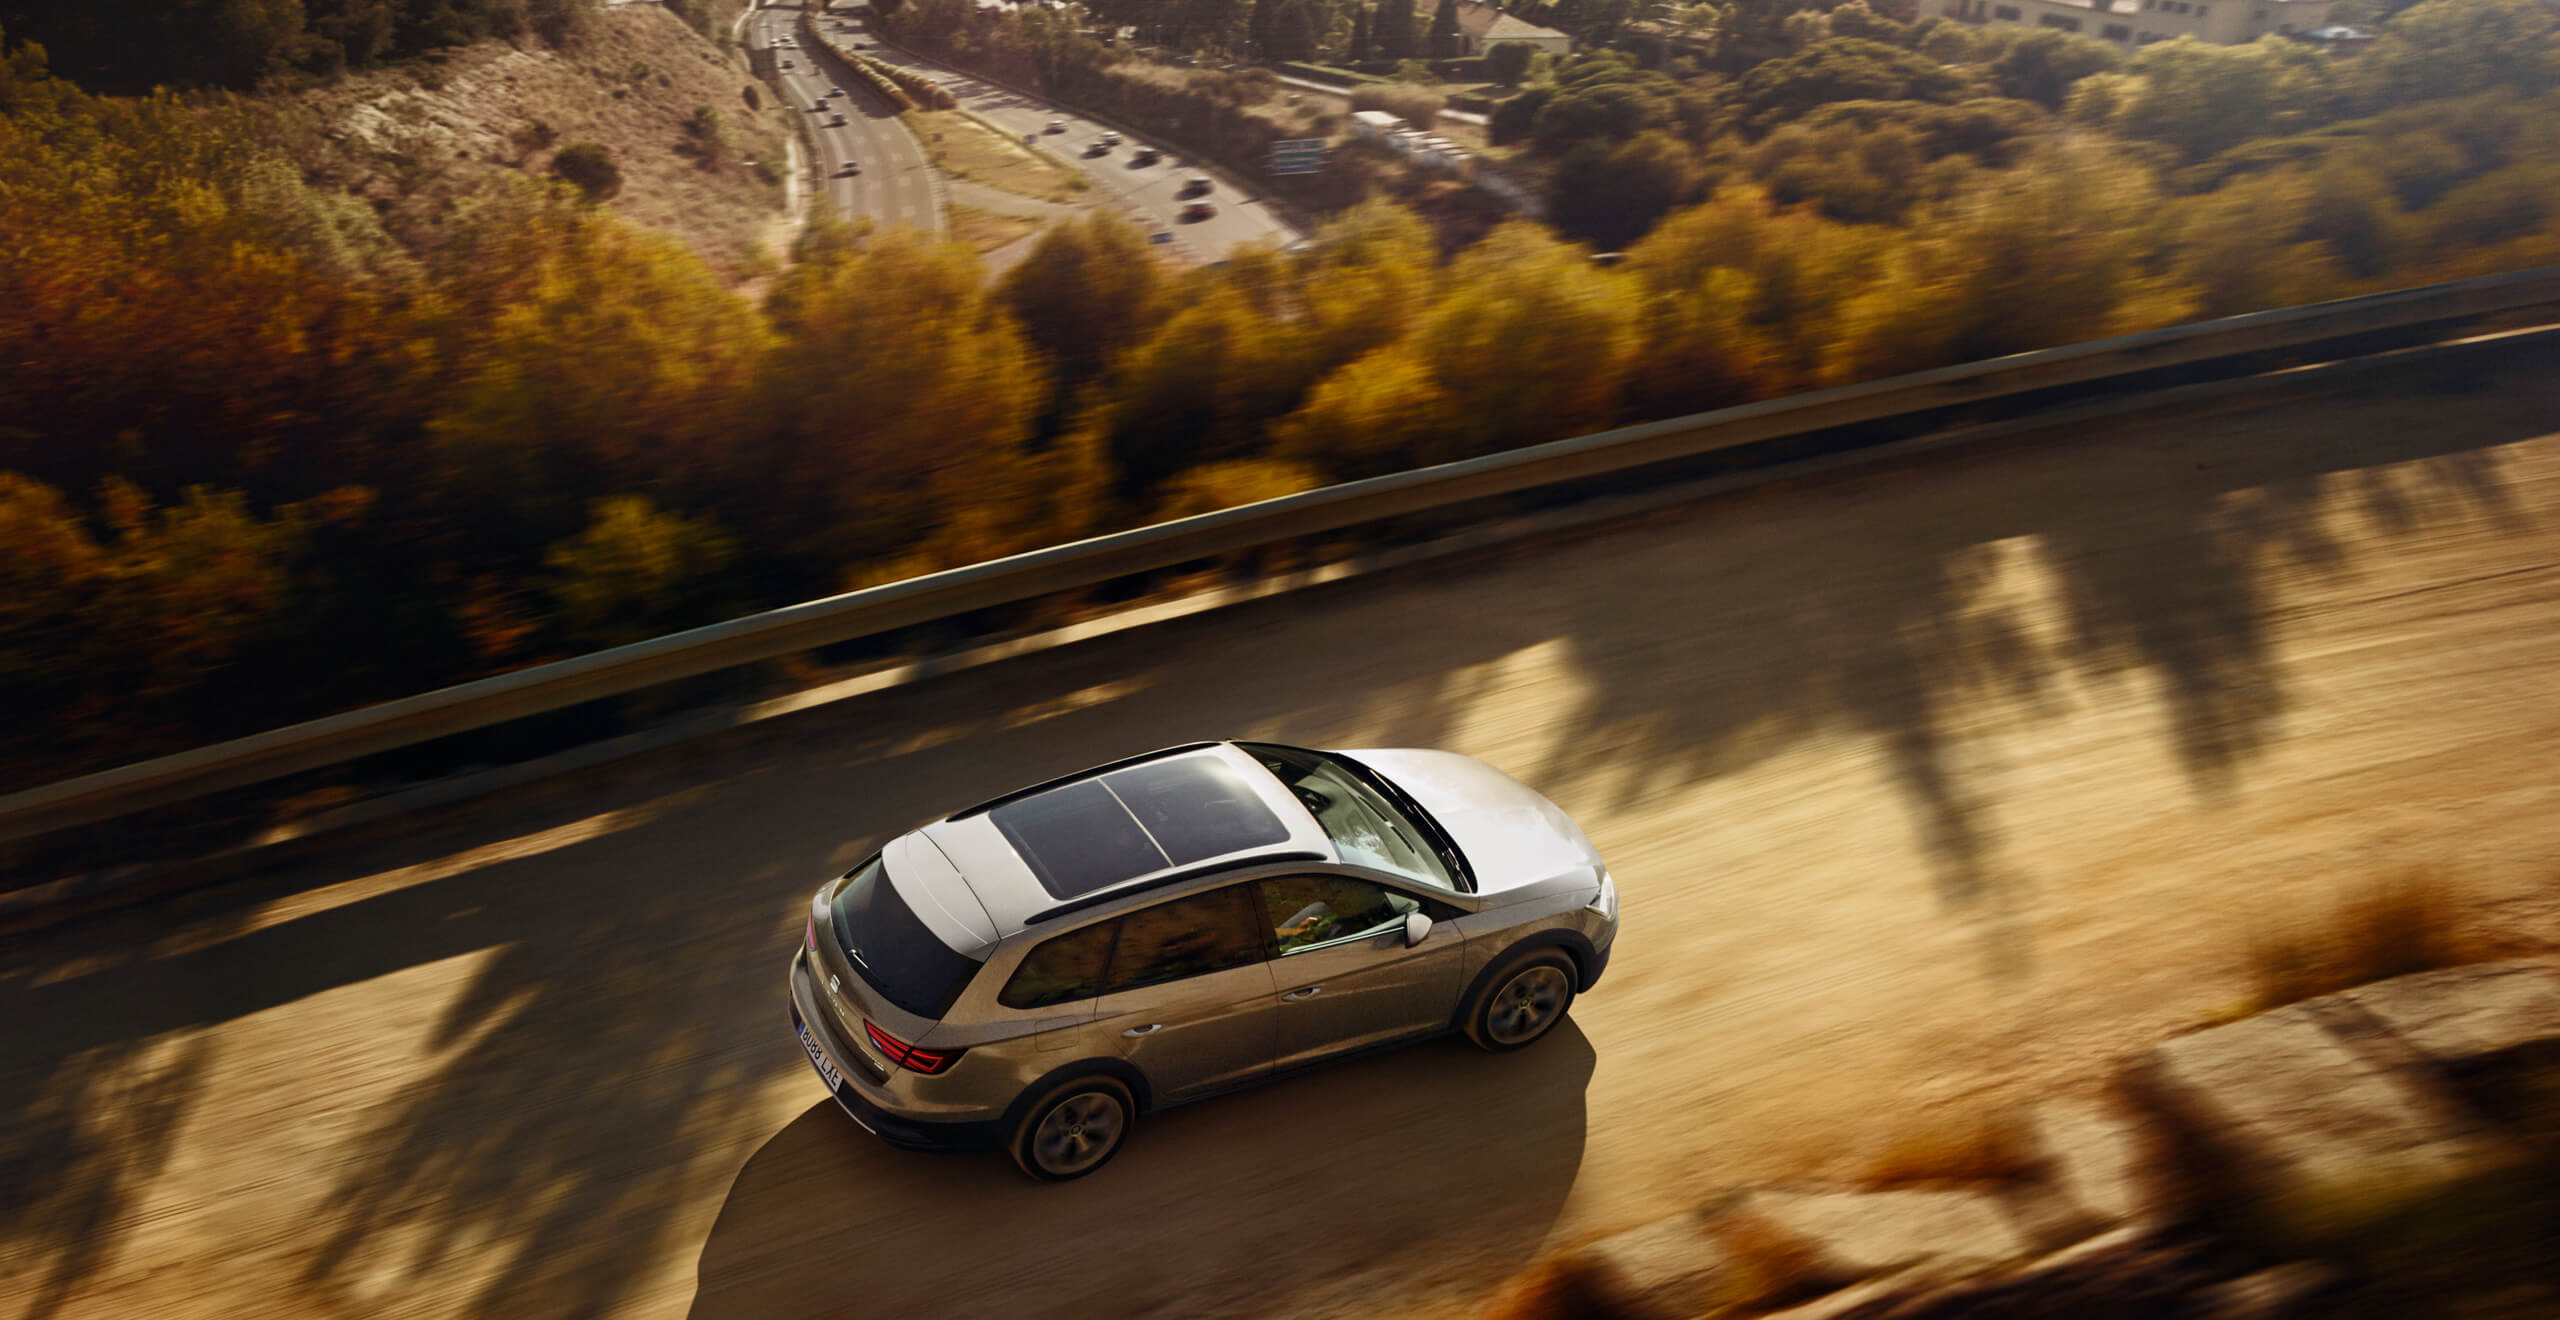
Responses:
[1416,928]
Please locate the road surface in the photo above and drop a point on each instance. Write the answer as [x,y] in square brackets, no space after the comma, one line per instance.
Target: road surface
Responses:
[895,186]
[1150,194]
[1926,787]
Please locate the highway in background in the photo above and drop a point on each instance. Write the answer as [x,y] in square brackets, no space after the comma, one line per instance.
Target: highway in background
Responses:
[1928,787]
[1153,194]
[895,186]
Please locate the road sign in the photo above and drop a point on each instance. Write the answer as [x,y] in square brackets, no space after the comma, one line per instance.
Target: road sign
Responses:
[1297,156]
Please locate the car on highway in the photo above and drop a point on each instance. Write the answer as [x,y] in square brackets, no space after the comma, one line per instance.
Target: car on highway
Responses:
[1199,211]
[1146,156]
[1195,186]
[1041,971]
[849,169]
[835,91]
[1110,139]
[1056,126]
[1099,148]
[837,122]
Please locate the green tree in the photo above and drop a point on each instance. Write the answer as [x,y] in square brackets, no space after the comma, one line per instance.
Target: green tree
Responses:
[1293,31]
[2447,48]
[590,167]
[1841,69]
[1610,195]
[2041,66]
[1445,40]
[1391,30]
[1508,62]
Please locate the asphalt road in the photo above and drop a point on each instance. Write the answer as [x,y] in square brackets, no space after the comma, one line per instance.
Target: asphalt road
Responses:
[1151,194]
[895,186]
[1927,787]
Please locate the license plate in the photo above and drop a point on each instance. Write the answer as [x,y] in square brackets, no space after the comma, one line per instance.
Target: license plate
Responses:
[818,1060]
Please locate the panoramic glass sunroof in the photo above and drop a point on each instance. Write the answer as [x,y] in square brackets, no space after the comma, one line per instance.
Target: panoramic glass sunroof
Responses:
[1089,836]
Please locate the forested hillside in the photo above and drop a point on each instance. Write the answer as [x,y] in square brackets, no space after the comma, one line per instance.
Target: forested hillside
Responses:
[267,460]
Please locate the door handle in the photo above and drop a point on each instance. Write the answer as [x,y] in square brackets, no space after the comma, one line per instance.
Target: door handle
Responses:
[1309,993]
[1145,1030]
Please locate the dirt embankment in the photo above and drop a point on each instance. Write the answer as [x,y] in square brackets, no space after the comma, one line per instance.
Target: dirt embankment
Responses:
[419,140]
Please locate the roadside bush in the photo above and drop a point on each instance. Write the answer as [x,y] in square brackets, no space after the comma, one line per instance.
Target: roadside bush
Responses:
[1417,106]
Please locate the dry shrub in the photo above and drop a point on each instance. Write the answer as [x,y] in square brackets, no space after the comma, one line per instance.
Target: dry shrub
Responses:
[1975,1146]
[2404,924]
[1559,1288]
[1418,106]
[1771,1267]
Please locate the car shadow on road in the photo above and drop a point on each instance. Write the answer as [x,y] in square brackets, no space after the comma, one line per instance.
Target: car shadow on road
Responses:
[1307,1187]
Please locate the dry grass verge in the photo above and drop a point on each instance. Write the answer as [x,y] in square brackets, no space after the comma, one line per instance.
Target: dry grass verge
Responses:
[1564,1288]
[2406,923]
[1969,1147]
[965,148]
[1771,1266]
[986,230]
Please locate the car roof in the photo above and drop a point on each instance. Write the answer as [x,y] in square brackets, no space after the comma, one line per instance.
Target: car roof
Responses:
[1126,825]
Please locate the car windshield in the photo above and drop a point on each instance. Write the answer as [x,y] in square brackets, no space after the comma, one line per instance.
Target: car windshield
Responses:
[1366,827]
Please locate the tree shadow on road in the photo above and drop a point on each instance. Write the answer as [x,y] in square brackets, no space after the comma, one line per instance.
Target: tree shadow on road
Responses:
[1306,1189]
[598,967]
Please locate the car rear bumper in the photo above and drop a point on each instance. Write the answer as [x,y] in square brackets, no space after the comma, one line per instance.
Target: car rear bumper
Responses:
[898,1130]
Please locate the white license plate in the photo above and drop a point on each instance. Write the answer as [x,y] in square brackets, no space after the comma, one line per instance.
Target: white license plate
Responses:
[818,1060]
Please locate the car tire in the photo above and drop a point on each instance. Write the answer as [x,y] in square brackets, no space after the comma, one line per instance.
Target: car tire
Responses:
[1522,1001]
[1073,1129]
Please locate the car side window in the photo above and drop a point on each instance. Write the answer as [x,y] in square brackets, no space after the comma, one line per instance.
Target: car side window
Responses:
[1302,911]
[1192,936]
[1061,970]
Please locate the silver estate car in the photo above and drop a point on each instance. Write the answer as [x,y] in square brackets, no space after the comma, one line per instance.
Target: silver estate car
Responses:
[1038,971]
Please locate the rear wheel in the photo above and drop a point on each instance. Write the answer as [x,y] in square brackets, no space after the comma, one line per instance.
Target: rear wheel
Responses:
[1523,1001]
[1074,1129]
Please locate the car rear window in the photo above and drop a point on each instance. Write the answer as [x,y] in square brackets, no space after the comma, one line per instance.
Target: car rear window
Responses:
[893,949]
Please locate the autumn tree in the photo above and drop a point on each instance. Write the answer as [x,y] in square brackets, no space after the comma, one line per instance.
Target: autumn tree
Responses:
[636,572]
[1089,291]
[903,394]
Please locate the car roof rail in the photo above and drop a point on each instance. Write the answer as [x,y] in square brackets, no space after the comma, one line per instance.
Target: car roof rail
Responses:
[1063,780]
[1133,888]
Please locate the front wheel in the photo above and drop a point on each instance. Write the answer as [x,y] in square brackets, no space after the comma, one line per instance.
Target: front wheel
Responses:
[1074,1129]
[1525,1001]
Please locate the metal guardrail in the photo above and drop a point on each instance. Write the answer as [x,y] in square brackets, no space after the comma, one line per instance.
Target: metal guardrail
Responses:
[468,706]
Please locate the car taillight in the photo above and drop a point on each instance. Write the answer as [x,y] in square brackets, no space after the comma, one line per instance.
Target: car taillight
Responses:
[908,1056]
[813,932]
